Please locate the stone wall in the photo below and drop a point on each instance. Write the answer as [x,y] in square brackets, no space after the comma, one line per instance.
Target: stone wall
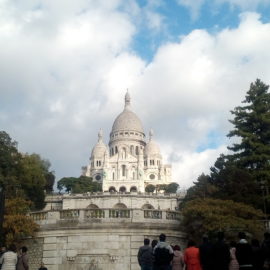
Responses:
[102,249]
[74,237]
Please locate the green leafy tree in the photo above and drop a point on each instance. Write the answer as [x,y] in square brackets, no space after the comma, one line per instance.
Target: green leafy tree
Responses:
[150,188]
[171,188]
[33,179]
[209,215]
[252,126]
[9,161]
[78,184]
[23,180]
[161,187]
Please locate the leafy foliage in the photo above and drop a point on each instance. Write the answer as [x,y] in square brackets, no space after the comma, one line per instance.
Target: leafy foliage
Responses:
[212,215]
[150,188]
[244,174]
[78,184]
[23,175]
[23,178]
[226,199]
[17,224]
[202,188]
[171,188]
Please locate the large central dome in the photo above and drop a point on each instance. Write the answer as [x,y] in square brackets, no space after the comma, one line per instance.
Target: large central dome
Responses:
[127,120]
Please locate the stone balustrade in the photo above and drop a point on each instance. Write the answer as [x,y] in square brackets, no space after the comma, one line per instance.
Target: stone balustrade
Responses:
[106,215]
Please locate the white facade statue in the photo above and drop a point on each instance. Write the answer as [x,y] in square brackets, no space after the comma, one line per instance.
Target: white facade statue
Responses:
[128,163]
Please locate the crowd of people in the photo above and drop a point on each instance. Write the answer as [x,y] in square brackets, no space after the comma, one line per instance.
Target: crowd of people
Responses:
[10,259]
[217,255]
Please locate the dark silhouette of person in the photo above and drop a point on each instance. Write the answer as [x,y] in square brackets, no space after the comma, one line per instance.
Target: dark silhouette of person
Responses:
[206,254]
[221,253]
[243,252]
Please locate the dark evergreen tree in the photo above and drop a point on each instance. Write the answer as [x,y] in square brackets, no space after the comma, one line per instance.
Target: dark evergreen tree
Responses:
[252,126]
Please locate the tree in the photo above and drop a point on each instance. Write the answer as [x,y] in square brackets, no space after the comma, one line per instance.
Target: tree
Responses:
[17,225]
[9,160]
[23,179]
[78,184]
[33,179]
[171,188]
[150,188]
[202,188]
[236,184]
[252,126]
[209,215]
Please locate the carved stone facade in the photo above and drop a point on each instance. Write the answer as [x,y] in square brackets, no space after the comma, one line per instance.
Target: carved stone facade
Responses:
[128,162]
[101,231]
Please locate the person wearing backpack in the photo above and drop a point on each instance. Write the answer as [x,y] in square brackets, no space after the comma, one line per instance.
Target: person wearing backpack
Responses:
[163,254]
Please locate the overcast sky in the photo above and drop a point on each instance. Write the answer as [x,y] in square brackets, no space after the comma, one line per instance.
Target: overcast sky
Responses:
[65,66]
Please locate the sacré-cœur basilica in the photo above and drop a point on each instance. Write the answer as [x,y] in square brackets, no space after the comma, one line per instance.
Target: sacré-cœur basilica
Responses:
[128,163]
[103,230]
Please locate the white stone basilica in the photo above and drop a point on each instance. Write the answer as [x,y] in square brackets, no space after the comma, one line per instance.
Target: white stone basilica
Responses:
[104,230]
[128,163]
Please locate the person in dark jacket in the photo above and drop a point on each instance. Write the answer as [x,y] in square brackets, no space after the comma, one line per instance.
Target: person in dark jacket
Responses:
[244,253]
[42,267]
[145,256]
[266,250]
[206,254]
[163,254]
[257,255]
[221,253]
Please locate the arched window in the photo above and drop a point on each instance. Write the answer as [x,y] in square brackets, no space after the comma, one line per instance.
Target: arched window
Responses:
[112,152]
[122,189]
[132,149]
[148,206]
[116,150]
[113,176]
[124,152]
[119,206]
[137,150]
[112,189]
[92,206]
[123,170]
[133,189]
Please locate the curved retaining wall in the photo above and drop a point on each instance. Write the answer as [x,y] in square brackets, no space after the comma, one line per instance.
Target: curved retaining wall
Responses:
[98,239]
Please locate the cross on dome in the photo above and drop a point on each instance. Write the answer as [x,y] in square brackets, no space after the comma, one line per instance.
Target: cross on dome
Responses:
[151,134]
[127,100]
[100,135]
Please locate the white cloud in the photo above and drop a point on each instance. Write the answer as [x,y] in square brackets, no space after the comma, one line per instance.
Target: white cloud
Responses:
[64,70]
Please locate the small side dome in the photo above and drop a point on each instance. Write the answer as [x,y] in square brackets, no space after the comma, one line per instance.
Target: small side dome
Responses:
[151,148]
[100,148]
